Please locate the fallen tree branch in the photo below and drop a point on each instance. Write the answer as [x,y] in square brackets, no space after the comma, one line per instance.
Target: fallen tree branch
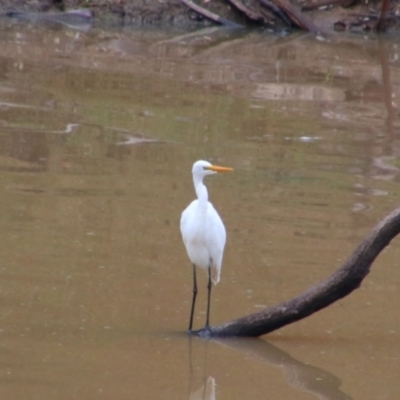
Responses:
[341,283]
[296,16]
[249,13]
[277,11]
[210,15]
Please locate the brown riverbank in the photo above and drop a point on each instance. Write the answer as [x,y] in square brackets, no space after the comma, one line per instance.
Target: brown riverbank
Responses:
[350,15]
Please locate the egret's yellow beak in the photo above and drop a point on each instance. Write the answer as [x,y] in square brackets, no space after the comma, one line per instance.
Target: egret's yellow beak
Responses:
[217,168]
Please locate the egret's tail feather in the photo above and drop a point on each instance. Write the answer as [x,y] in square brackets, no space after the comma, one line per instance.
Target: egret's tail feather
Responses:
[215,275]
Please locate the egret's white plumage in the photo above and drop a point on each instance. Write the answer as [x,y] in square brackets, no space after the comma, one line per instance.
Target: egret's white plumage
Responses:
[203,231]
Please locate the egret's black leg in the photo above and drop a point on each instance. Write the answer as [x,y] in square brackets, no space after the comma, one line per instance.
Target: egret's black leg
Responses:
[209,286]
[194,298]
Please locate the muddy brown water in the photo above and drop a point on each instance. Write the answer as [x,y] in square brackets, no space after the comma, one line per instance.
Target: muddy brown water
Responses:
[98,132]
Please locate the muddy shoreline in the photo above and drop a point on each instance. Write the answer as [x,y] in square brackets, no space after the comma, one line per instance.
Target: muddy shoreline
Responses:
[359,16]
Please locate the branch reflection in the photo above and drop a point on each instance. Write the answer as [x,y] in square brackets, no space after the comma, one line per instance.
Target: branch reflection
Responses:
[300,376]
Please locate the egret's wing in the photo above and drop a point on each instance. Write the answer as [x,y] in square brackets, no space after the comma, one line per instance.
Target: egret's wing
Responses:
[185,218]
[215,241]
[204,237]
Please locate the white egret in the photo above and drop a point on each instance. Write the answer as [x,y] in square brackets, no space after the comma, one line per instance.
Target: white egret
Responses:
[203,232]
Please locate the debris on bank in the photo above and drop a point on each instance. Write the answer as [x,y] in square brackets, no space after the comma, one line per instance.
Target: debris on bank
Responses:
[310,15]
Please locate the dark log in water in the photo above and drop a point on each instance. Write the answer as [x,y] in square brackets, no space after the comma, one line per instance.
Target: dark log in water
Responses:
[341,283]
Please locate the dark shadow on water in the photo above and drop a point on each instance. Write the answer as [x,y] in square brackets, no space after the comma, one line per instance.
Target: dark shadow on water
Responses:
[300,376]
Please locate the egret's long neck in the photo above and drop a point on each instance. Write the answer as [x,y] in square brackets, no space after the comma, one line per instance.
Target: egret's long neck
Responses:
[201,191]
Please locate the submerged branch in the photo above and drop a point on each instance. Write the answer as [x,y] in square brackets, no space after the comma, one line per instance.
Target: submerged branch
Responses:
[341,283]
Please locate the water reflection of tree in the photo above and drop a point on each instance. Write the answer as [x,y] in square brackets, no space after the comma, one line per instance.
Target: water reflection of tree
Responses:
[300,376]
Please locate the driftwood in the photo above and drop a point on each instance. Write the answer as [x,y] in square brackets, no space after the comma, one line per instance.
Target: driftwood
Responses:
[293,14]
[210,15]
[277,11]
[248,12]
[341,283]
[296,16]
[283,9]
